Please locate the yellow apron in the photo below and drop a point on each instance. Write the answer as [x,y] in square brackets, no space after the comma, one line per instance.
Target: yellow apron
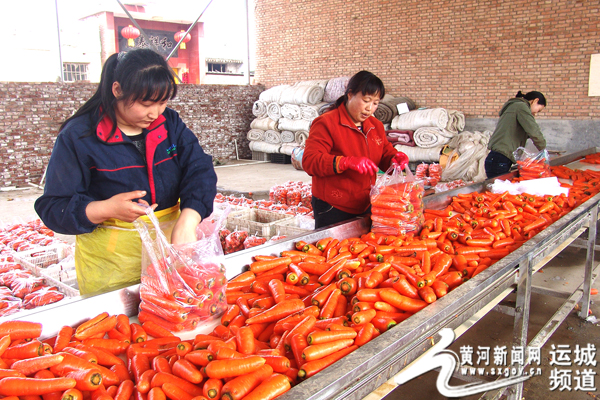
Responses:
[111,255]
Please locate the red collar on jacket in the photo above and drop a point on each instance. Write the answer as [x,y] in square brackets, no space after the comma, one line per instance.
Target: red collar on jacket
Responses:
[345,120]
[105,126]
[157,132]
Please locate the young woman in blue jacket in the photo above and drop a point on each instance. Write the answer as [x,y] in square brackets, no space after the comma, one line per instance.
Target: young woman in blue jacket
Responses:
[121,152]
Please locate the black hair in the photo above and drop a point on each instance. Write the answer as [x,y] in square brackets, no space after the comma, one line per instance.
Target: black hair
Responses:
[533,95]
[142,74]
[364,82]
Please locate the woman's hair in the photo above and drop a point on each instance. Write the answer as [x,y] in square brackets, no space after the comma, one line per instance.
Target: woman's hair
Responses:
[142,74]
[364,82]
[533,95]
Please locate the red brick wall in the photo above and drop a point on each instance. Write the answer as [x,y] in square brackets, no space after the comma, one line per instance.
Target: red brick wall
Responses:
[32,113]
[460,54]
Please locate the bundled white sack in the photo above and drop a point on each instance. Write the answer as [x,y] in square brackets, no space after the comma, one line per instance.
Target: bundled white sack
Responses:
[537,187]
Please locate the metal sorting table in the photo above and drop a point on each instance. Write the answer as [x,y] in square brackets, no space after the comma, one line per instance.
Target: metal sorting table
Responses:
[364,370]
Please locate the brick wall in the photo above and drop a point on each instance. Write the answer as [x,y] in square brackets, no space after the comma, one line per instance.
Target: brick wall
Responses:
[459,54]
[32,113]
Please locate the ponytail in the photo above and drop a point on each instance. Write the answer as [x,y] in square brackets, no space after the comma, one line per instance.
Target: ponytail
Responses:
[531,96]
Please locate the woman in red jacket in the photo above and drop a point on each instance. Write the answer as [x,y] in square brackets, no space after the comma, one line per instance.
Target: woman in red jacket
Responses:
[345,149]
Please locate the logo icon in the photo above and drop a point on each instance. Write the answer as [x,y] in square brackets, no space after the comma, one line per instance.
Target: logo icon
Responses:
[172,149]
[446,360]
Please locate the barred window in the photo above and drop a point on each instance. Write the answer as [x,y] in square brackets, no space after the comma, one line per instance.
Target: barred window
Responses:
[215,67]
[75,72]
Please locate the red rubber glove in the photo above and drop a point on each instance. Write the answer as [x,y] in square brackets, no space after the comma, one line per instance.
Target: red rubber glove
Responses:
[362,165]
[400,159]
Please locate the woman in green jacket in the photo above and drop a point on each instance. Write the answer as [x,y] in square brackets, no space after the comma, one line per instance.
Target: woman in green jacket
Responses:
[515,126]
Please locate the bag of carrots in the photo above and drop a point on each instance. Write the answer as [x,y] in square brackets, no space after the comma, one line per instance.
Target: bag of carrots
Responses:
[397,203]
[182,286]
[532,165]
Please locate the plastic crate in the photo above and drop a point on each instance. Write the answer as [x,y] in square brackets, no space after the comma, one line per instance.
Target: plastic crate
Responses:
[278,158]
[255,221]
[70,290]
[296,226]
[36,260]
[260,156]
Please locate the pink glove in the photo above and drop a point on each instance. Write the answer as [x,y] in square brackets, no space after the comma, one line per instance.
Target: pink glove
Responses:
[362,165]
[400,159]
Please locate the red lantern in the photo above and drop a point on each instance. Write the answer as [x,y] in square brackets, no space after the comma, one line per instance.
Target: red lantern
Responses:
[130,33]
[187,38]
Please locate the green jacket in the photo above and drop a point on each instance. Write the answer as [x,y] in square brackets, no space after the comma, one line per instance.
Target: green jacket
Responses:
[515,126]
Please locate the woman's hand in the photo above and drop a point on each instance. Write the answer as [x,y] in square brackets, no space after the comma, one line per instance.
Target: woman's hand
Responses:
[361,165]
[400,159]
[126,207]
[184,230]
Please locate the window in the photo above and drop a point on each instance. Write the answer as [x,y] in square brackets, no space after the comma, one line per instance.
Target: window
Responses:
[75,72]
[214,67]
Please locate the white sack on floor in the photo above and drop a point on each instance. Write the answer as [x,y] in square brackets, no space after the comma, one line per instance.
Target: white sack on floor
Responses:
[293,125]
[259,109]
[263,124]
[335,89]
[302,94]
[301,137]
[413,120]
[273,137]
[471,148]
[419,154]
[431,137]
[255,134]
[319,82]
[456,121]
[537,187]
[324,108]
[310,111]
[291,111]
[288,137]
[274,111]
[264,147]
[288,148]
[273,94]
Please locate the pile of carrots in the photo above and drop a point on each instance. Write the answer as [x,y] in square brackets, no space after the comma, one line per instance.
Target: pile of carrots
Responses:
[533,168]
[289,316]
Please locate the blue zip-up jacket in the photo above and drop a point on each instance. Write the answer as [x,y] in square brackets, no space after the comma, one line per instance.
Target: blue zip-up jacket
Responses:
[84,167]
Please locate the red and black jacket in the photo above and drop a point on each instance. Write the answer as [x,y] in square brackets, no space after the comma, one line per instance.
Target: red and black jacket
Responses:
[85,168]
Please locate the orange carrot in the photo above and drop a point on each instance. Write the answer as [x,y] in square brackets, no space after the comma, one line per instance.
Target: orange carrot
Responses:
[71,394]
[16,386]
[317,351]
[186,370]
[219,369]
[272,387]
[125,390]
[87,380]
[311,368]
[31,365]
[63,338]
[138,334]
[319,337]
[212,388]
[402,302]
[155,330]
[160,378]
[240,386]
[277,312]
[20,329]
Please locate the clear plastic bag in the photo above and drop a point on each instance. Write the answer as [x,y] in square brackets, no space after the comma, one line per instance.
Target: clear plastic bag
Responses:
[532,165]
[182,286]
[397,203]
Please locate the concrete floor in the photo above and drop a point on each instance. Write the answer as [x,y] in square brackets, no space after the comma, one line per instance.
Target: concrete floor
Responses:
[495,329]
